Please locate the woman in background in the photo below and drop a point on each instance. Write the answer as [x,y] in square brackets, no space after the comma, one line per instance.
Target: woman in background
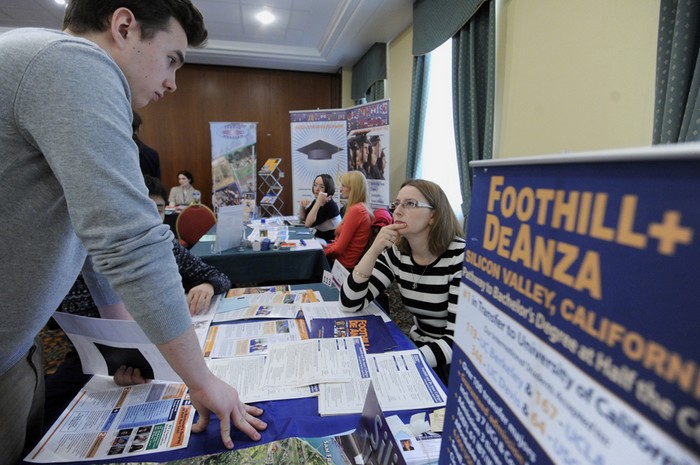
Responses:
[322,213]
[185,192]
[354,231]
[423,252]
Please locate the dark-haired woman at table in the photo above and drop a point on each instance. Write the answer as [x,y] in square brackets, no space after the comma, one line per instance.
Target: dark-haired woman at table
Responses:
[422,251]
[184,194]
[322,213]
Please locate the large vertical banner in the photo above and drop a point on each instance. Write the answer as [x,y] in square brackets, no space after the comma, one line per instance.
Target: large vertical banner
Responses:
[318,147]
[338,141]
[233,163]
[577,335]
[368,148]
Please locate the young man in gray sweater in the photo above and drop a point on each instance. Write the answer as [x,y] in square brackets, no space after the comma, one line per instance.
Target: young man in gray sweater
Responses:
[66,158]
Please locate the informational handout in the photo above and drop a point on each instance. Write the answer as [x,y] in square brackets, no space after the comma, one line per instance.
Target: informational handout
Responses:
[315,361]
[267,311]
[243,373]
[241,301]
[105,421]
[252,338]
[403,381]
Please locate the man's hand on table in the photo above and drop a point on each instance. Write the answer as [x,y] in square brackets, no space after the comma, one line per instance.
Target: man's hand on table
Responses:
[221,399]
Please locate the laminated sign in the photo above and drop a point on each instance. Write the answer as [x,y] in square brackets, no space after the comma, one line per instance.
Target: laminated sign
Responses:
[577,330]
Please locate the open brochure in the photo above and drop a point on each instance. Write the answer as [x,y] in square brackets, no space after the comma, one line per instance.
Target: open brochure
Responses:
[105,421]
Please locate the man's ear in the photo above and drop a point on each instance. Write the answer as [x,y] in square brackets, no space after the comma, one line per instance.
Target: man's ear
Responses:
[122,25]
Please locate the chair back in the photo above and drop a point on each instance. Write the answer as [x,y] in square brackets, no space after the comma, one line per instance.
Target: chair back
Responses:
[192,223]
[382,217]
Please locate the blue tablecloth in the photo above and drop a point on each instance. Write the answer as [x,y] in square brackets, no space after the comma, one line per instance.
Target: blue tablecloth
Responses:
[286,418]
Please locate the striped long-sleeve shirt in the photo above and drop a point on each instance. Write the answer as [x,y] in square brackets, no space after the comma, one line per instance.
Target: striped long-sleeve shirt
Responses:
[429,292]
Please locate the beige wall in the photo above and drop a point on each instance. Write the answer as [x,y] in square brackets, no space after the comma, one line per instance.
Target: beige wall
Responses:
[398,89]
[575,75]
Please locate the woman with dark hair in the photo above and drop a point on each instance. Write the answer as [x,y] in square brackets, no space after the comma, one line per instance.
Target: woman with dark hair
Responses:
[184,193]
[322,213]
[422,251]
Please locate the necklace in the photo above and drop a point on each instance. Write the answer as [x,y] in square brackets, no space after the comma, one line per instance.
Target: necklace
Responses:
[414,285]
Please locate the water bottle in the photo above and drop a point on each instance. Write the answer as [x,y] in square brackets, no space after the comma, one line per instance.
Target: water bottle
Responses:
[196,198]
[263,229]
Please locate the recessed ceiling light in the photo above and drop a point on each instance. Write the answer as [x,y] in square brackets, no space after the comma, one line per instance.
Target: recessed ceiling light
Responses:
[60,2]
[265,17]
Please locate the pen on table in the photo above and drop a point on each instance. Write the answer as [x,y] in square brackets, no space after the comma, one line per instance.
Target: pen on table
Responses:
[302,241]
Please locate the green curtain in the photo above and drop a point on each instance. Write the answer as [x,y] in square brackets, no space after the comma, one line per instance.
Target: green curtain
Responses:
[368,71]
[375,91]
[677,104]
[419,97]
[436,21]
[473,78]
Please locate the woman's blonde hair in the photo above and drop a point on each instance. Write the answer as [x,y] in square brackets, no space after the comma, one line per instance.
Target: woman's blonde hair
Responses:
[444,225]
[357,183]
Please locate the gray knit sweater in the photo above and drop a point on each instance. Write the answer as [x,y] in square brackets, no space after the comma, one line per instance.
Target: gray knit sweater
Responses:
[70,184]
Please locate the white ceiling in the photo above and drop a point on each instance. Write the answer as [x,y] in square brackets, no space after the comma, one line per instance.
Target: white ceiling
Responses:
[308,35]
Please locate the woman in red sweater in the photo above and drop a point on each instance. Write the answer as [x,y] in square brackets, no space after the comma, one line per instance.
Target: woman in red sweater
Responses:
[353,233]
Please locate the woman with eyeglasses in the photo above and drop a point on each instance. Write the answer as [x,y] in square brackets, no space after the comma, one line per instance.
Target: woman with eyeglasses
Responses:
[322,214]
[422,251]
[353,233]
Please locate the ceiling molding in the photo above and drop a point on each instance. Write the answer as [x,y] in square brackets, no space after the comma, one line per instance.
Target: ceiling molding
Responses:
[342,29]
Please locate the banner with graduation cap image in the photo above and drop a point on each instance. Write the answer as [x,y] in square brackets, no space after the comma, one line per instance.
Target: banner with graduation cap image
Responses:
[335,141]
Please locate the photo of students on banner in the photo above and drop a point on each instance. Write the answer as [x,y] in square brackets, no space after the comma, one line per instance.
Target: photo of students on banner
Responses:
[365,154]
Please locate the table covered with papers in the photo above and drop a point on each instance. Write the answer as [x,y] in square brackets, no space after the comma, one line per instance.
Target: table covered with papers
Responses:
[308,388]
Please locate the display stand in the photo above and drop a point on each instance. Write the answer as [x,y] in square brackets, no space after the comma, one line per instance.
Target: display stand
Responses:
[270,203]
